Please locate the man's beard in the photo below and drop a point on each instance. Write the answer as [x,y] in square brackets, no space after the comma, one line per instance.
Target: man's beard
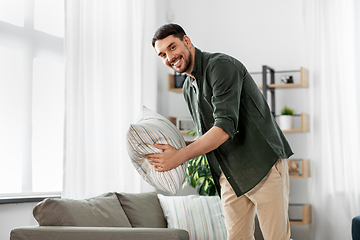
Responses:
[187,62]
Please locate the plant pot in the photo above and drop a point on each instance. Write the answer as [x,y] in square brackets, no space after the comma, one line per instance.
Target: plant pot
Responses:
[286,122]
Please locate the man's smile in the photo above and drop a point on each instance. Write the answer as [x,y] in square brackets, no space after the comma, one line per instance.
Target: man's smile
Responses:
[176,63]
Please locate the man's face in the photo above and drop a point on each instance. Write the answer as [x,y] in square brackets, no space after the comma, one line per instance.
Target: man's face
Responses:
[175,53]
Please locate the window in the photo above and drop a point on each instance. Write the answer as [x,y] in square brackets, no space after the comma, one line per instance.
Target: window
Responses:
[31,97]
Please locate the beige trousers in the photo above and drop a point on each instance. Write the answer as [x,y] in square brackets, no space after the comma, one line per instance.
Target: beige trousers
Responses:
[269,198]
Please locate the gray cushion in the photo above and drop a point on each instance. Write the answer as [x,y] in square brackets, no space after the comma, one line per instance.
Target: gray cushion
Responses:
[96,233]
[143,209]
[101,211]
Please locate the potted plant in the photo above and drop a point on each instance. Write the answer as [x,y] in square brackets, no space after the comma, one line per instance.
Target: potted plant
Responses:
[286,119]
[198,175]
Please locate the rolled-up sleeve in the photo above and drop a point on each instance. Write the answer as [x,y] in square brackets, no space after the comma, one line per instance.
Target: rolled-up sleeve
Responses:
[226,80]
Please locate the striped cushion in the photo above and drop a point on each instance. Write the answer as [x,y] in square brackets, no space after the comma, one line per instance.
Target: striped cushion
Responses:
[201,216]
[153,128]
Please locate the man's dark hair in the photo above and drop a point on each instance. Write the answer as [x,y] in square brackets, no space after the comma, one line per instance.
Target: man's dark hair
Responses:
[167,30]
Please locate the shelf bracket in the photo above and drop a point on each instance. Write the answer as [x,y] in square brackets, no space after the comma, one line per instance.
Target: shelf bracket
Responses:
[265,87]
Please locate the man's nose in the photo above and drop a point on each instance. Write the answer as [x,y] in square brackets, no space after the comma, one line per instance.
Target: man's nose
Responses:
[169,58]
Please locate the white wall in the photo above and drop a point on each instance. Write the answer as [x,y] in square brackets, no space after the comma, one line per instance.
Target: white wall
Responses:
[15,215]
[257,32]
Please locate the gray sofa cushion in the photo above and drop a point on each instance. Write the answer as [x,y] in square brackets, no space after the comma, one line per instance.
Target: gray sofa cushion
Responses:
[96,233]
[143,209]
[101,211]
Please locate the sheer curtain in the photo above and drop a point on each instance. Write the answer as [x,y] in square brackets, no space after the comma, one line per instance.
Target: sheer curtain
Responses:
[331,30]
[109,63]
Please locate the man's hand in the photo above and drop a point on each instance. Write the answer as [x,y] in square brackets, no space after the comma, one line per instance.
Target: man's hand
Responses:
[170,158]
[167,160]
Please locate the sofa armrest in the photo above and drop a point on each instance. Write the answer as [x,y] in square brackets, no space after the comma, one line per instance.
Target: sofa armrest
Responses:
[355,228]
[96,233]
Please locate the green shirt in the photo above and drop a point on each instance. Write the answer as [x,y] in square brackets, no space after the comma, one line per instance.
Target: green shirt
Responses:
[228,98]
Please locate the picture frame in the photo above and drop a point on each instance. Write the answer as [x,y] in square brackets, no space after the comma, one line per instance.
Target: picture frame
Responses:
[185,124]
[295,167]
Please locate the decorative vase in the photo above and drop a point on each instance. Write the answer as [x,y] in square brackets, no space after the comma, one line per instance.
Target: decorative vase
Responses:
[286,122]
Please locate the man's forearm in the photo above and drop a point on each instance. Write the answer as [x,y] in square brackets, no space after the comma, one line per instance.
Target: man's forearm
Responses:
[211,140]
[170,158]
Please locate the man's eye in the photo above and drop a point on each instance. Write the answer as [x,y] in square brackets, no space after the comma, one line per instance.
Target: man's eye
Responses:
[172,48]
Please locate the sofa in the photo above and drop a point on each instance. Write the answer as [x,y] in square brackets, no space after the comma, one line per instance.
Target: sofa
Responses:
[120,216]
[110,216]
[355,228]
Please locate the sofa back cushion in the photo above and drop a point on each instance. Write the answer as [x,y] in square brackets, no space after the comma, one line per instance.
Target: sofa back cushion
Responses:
[143,209]
[201,216]
[101,211]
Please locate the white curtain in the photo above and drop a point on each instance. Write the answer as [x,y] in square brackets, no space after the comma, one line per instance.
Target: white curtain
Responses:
[109,63]
[335,135]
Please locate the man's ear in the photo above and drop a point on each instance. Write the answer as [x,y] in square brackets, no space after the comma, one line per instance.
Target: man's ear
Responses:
[187,41]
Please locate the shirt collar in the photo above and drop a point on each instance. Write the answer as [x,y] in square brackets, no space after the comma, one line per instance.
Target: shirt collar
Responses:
[196,72]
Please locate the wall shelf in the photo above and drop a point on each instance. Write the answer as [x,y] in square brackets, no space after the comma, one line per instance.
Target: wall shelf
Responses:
[303,126]
[304,81]
[299,168]
[172,120]
[171,84]
[300,214]
[175,121]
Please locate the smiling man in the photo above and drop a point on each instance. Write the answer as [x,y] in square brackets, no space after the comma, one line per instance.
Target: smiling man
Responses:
[245,148]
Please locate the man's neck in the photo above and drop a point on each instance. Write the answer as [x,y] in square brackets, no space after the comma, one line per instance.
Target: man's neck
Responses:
[188,72]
